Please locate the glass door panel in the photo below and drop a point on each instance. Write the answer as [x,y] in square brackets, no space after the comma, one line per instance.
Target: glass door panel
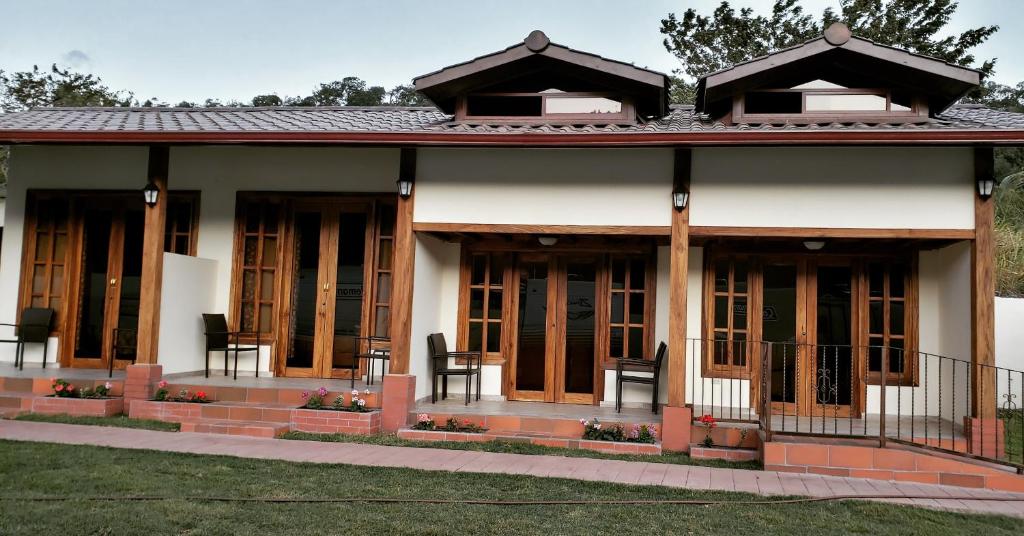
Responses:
[305,289]
[779,327]
[97,226]
[531,353]
[580,330]
[130,285]
[833,346]
[349,287]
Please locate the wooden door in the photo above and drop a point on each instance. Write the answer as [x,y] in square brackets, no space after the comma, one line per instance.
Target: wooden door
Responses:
[105,283]
[326,284]
[833,356]
[555,357]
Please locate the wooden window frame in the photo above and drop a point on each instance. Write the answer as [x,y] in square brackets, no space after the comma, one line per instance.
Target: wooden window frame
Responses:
[29,262]
[918,110]
[709,369]
[192,233]
[376,304]
[649,293]
[238,266]
[466,287]
[911,279]
[627,115]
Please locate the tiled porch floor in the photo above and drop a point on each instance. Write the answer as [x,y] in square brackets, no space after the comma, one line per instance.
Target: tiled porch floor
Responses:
[265,382]
[35,370]
[456,405]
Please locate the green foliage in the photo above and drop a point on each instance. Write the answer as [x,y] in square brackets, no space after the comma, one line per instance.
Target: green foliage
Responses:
[707,43]
[57,87]
[117,421]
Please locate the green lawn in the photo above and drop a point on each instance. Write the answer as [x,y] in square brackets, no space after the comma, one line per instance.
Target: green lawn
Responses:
[121,421]
[36,469]
[516,448]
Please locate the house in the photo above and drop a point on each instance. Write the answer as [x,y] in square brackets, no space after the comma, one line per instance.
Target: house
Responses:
[813,238]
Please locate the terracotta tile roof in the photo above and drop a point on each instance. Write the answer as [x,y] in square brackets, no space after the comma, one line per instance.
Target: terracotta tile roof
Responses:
[681,119]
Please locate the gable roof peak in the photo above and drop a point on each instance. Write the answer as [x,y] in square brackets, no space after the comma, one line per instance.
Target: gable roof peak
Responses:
[837,34]
[537,41]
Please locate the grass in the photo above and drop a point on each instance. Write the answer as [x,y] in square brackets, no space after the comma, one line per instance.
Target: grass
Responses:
[42,469]
[120,421]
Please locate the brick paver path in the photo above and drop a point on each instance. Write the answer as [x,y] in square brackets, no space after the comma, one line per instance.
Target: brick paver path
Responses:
[675,476]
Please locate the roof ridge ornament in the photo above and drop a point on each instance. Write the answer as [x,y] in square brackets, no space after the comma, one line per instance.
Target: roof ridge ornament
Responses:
[837,34]
[537,41]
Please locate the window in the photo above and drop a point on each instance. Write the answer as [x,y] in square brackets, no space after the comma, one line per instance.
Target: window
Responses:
[728,293]
[823,101]
[182,222]
[46,252]
[890,312]
[385,237]
[631,307]
[551,104]
[256,264]
[481,304]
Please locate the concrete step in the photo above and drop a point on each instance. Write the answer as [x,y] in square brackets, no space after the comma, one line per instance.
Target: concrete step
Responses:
[230,427]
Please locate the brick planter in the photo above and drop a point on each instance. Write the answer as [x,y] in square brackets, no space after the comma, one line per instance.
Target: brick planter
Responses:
[165,411]
[611,447]
[82,407]
[723,453]
[324,421]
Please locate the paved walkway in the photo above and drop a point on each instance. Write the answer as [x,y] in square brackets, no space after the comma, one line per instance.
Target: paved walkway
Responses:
[659,474]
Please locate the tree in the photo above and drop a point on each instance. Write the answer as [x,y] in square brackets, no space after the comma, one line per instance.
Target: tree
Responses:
[267,100]
[406,95]
[704,44]
[57,87]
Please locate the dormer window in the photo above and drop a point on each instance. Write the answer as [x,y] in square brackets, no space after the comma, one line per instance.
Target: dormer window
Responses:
[552,105]
[819,101]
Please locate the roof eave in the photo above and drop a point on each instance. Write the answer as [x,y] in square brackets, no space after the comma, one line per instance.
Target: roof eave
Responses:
[1012,137]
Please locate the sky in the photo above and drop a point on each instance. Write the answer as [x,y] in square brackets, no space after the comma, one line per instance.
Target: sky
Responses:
[232,50]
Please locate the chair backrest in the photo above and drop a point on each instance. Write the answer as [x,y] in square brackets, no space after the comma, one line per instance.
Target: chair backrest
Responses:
[216,331]
[660,356]
[35,324]
[438,348]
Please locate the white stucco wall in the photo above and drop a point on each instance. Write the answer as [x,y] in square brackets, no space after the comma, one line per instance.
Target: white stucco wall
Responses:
[841,187]
[434,306]
[544,186]
[189,289]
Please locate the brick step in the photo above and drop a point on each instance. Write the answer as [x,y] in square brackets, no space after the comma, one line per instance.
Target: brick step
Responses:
[43,385]
[229,427]
[246,411]
[20,400]
[285,396]
[723,453]
[546,441]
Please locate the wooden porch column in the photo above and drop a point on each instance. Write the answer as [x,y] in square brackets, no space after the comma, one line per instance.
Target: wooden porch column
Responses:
[678,267]
[983,292]
[153,258]
[404,263]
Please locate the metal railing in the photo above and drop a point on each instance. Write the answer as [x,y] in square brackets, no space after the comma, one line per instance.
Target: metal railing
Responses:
[882,393]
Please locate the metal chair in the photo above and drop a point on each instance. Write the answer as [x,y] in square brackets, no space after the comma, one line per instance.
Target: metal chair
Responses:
[219,339]
[639,365]
[376,348]
[440,357]
[124,343]
[34,328]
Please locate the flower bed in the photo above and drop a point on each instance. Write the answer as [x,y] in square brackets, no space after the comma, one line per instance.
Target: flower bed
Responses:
[328,421]
[315,400]
[639,433]
[426,423]
[65,389]
[183,396]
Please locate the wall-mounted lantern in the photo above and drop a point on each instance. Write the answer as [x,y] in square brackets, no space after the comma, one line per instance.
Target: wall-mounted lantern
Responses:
[150,194]
[679,199]
[404,188]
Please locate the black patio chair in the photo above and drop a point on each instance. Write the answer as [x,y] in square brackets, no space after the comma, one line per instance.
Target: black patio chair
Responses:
[33,329]
[639,365]
[124,347]
[440,358]
[219,339]
[376,348]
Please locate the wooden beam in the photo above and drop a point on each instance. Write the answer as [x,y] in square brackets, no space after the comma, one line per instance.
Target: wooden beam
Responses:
[679,252]
[516,228]
[700,231]
[153,258]
[983,291]
[404,270]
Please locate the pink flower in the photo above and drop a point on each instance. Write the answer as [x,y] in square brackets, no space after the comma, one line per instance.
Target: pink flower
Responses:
[58,388]
[322,391]
[305,395]
[423,417]
[108,386]
[162,384]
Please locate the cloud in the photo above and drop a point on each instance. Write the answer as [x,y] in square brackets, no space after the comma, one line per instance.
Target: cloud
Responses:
[75,58]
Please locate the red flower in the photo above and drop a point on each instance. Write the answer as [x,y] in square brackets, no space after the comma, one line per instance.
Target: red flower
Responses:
[58,388]
[201,395]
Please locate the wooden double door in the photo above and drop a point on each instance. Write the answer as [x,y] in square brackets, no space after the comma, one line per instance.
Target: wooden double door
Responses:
[555,308]
[104,283]
[329,266]
[810,317]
